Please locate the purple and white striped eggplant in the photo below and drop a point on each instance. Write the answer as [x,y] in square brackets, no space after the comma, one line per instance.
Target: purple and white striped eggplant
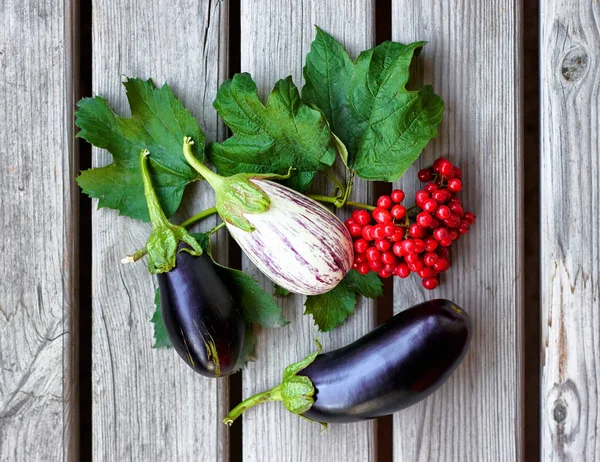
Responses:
[293,240]
[297,243]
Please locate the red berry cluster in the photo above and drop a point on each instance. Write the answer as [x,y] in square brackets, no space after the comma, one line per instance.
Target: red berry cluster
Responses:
[395,241]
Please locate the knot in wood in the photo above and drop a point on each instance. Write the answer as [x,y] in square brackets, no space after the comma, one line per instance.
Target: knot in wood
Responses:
[574,64]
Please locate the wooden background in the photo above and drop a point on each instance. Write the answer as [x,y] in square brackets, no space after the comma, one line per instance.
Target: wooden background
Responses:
[78,377]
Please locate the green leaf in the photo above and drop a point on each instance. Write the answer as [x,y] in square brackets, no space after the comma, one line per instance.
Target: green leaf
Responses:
[368,285]
[158,123]
[271,138]
[279,291]
[161,339]
[384,126]
[331,309]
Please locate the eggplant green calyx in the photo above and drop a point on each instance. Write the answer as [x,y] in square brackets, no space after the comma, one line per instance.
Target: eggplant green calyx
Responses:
[236,195]
[295,391]
[164,239]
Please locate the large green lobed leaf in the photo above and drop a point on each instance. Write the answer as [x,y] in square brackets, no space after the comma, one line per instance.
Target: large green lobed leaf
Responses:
[158,123]
[271,138]
[384,126]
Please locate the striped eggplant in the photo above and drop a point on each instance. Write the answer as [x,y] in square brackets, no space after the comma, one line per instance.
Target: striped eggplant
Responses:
[297,242]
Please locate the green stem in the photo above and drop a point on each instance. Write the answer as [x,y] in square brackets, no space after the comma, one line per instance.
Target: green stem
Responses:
[216,228]
[337,182]
[199,216]
[347,190]
[335,201]
[157,216]
[271,395]
[213,178]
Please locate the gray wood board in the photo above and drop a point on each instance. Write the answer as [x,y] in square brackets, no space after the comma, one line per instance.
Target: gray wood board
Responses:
[38,208]
[473,61]
[148,404]
[570,229]
[275,38]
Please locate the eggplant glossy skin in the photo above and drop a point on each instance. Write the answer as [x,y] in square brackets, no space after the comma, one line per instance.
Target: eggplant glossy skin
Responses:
[392,367]
[202,320]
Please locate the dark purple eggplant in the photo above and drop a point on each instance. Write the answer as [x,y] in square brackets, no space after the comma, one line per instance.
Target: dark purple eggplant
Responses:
[394,366]
[202,321]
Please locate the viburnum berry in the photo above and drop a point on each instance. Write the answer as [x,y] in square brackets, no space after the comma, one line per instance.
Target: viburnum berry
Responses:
[362,217]
[355,230]
[379,231]
[382,215]
[421,196]
[367,233]
[360,258]
[361,246]
[419,245]
[397,249]
[384,274]
[426,272]
[430,243]
[373,254]
[430,258]
[384,202]
[424,219]
[446,168]
[440,234]
[389,229]
[411,258]
[457,172]
[431,187]
[397,195]
[363,268]
[375,265]
[442,212]
[388,258]
[402,270]
[430,205]
[398,212]
[416,231]
[430,283]
[382,245]
[455,185]
[425,175]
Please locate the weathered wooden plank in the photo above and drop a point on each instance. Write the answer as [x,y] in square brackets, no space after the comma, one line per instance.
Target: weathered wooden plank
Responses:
[38,208]
[472,60]
[147,404]
[570,235]
[275,39]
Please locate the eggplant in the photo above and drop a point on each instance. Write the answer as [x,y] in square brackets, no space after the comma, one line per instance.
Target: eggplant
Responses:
[394,366]
[202,321]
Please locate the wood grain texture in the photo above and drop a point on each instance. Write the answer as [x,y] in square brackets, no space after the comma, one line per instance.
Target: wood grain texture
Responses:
[473,62]
[38,245]
[148,404]
[275,38]
[570,237]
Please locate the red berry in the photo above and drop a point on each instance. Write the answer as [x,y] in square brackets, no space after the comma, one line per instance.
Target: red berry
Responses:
[453,234]
[398,212]
[434,224]
[430,205]
[416,231]
[446,242]
[412,258]
[397,195]
[416,266]
[379,231]
[361,246]
[382,215]
[454,185]
[408,246]
[446,168]
[419,245]
[349,222]
[430,244]
[388,258]
[436,164]
[354,265]
[355,230]
[452,221]
[367,233]
[457,210]
[384,202]
[430,258]
[443,252]
[470,217]
[440,234]
[360,258]
[390,267]
[431,187]
[402,270]
[426,272]
[424,219]
[442,212]
[375,265]
[398,235]
[457,172]
[442,264]
[389,229]
[441,196]
[373,254]
[363,268]
[463,229]
[382,245]
[425,175]
[397,249]
[420,197]
[384,274]
[430,283]
[362,217]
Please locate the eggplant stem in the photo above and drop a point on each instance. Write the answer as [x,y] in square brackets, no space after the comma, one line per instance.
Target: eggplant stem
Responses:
[214,179]
[157,215]
[274,394]
[199,216]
